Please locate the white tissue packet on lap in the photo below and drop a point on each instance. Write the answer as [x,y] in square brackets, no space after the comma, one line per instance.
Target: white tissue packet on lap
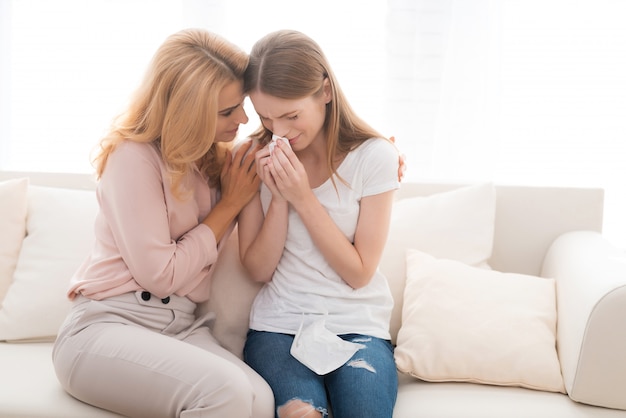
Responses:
[321,350]
[276,138]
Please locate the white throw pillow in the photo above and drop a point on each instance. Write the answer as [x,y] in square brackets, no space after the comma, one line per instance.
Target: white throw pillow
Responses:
[12,227]
[461,323]
[458,224]
[59,225]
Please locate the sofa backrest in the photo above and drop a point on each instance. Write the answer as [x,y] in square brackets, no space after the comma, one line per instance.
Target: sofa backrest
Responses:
[520,222]
[529,218]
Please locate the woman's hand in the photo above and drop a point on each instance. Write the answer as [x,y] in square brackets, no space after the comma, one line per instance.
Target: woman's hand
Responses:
[288,174]
[239,178]
[401,161]
[263,158]
[239,184]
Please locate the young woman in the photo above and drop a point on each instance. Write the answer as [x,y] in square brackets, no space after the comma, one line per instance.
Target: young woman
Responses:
[315,234]
[169,191]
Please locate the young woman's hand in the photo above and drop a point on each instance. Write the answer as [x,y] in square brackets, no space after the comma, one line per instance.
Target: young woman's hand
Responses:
[289,174]
[262,158]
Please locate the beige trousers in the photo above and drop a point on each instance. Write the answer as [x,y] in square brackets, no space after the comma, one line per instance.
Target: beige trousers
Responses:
[153,359]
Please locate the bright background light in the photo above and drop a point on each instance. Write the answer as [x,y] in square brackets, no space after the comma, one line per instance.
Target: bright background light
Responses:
[517,92]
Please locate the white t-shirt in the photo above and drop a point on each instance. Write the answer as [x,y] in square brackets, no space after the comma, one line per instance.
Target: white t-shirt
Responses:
[304,288]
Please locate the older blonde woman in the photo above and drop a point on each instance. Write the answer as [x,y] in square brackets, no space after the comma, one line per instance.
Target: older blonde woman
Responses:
[169,192]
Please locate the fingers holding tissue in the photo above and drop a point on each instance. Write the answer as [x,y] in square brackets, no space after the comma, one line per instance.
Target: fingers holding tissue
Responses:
[277,138]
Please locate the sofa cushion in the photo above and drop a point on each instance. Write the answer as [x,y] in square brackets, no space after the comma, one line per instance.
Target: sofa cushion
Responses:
[457,224]
[462,323]
[13,227]
[420,399]
[59,228]
[232,294]
[31,389]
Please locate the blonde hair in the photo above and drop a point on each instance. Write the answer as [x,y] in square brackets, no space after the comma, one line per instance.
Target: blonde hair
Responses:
[290,65]
[176,105]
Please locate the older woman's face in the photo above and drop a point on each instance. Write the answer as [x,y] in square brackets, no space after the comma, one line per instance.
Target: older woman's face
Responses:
[230,112]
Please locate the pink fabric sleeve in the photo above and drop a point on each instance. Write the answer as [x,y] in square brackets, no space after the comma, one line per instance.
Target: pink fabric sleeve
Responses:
[142,216]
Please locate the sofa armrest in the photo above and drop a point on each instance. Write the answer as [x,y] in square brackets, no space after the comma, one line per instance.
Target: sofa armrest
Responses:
[590,278]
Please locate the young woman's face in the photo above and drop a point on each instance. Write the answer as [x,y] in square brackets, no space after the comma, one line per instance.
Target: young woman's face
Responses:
[230,112]
[299,120]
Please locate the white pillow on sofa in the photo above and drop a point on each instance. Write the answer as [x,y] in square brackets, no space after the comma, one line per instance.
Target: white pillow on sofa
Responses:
[13,204]
[461,323]
[59,236]
[457,224]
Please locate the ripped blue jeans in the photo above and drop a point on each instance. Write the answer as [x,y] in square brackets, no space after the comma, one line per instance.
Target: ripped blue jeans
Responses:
[365,386]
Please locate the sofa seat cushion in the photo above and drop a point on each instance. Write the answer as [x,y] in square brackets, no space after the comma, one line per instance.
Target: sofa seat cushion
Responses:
[30,370]
[417,398]
[30,387]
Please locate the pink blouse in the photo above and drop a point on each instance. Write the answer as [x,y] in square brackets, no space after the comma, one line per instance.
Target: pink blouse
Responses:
[146,238]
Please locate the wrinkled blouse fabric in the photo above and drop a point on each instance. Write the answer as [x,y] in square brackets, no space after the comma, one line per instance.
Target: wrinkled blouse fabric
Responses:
[146,238]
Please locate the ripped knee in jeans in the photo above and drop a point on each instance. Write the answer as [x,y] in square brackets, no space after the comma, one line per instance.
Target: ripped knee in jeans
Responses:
[297,408]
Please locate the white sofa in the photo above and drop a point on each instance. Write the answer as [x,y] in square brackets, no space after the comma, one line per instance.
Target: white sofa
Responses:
[566,357]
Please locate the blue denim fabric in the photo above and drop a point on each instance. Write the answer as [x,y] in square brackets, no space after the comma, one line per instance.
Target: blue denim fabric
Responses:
[365,386]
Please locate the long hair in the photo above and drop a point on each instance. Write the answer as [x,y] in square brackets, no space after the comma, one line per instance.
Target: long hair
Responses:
[290,65]
[176,105]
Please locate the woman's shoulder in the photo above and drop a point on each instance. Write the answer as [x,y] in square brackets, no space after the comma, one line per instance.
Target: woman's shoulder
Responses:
[378,148]
[378,163]
[135,150]
[132,157]
[134,147]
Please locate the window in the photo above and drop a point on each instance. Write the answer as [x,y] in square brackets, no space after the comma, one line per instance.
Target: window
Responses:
[516,92]
[69,66]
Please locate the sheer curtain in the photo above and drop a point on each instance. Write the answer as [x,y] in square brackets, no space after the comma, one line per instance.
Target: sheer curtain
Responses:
[518,92]
[510,91]
[68,66]
[443,71]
